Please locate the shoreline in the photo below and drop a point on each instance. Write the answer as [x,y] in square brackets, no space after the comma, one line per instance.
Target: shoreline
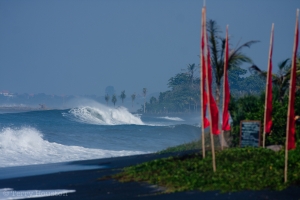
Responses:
[78,165]
[87,185]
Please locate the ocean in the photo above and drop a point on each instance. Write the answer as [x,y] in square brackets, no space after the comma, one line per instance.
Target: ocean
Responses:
[89,131]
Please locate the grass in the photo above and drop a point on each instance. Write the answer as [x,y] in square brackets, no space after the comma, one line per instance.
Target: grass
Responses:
[197,144]
[183,147]
[237,169]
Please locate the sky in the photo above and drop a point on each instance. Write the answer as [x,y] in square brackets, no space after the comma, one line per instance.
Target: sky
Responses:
[77,47]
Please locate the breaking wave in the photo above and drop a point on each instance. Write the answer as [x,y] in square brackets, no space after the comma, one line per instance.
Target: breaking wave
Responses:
[172,118]
[26,146]
[102,115]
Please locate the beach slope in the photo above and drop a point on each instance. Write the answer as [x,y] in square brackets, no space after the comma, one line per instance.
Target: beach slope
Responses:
[85,181]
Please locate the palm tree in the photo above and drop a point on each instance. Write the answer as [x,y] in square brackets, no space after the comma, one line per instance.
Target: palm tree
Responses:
[191,69]
[106,98]
[114,99]
[280,80]
[144,94]
[123,96]
[297,72]
[133,98]
[217,47]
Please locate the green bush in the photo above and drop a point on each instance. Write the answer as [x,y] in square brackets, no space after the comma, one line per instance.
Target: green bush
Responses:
[252,108]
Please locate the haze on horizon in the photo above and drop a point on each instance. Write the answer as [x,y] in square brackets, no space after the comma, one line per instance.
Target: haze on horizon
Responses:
[81,47]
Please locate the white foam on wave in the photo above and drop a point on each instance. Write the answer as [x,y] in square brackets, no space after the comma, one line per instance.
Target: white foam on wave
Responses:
[26,146]
[172,118]
[103,115]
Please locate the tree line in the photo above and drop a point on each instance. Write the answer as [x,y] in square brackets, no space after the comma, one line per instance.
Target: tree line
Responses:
[122,96]
[183,94]
[184,91]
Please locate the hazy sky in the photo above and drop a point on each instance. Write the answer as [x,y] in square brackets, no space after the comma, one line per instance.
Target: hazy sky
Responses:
[80,47]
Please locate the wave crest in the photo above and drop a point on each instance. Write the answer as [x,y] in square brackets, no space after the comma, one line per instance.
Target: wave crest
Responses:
[103,116]
[172,118]
[26,146]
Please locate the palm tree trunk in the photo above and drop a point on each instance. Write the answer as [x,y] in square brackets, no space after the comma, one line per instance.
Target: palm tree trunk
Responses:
[222,140]
[218,94]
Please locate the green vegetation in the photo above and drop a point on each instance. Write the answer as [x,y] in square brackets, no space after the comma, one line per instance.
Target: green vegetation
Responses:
[132,98]
[106,98]
[280,80]
[197,145]
[184,93]
[144,94]
[252,108]
[123,96]
[184,147]
[237,169]
[217,48]
[241,85]
[114,99]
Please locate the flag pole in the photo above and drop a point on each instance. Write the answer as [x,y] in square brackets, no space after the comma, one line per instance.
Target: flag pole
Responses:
[224,80]
[290,116]
[208,96]
[268,86]
[222,133]
[201,88]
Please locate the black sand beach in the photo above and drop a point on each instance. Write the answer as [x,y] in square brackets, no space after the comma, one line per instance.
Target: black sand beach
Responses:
[85,182]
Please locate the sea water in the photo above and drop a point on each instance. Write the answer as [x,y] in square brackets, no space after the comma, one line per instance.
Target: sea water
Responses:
[89,131]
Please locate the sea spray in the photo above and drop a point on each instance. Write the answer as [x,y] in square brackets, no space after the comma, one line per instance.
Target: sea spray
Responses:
[50,136]
[26,146]
[102,115]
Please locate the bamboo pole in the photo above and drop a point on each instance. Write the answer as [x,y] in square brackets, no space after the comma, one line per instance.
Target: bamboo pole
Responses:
[201,89]
[264,138]
[225,71]
[267,85]
[289,111]
[222,133]
[208,97]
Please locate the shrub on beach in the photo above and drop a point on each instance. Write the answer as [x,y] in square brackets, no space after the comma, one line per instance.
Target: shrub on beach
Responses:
[252,108]
[237,169]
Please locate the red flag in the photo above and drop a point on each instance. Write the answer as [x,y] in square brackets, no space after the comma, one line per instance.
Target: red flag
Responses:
[204,97]
[226,92]
[268,99]
[207,72]
[291,112]
[213,108]
[205,121]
